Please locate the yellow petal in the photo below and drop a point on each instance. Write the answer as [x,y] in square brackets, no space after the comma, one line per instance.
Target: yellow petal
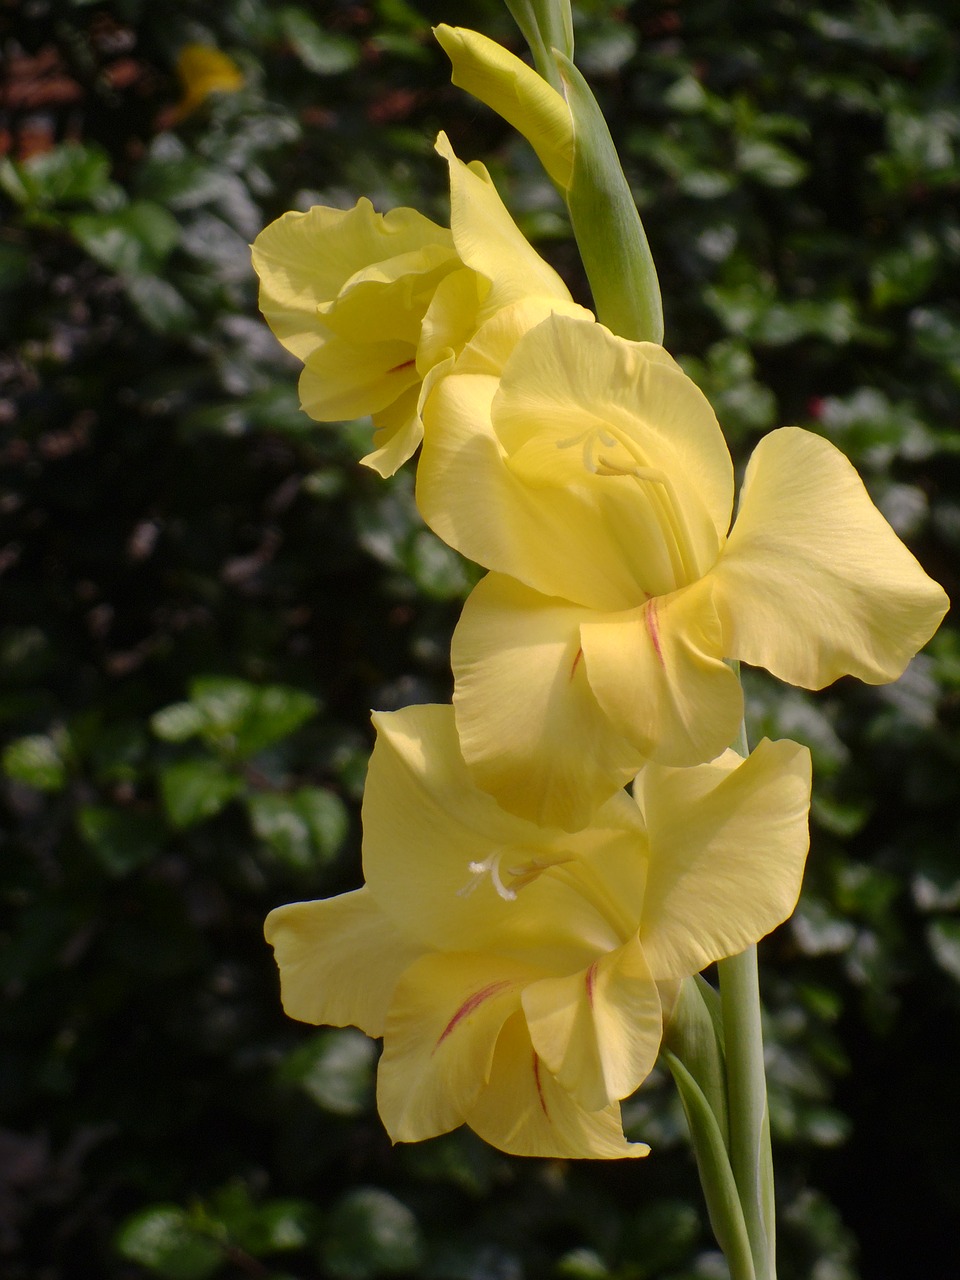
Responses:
[525,1112]
[516,92]
[489,241]
[339,960]
[814,584]
[727,849]
[551,537]
[658,674]
[398,432]
[450,320]
[343,380]
[598,1031]
[637,426]
[442,858]
[304,260]
[442,1029]
[492,345]
[203,70]
[530,728]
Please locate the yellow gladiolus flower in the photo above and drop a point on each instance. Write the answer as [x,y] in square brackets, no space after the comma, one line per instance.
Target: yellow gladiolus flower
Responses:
[378,305]
[593,478]
[518,973]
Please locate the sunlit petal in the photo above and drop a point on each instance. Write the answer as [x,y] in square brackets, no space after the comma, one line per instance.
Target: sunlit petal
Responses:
[814,584]
[553,537]
[489,241]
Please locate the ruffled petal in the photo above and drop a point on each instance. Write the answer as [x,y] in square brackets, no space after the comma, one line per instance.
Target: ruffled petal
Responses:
[339,960]
[530,727]
[304,259]
[814,584]
[441,1033]
[728,841]
[658,674]
[525,1112]
[598,1031]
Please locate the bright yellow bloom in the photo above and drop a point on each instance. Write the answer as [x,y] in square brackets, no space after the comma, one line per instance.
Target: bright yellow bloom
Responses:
[517,973]
[203,70]
[593,478]
[377,305]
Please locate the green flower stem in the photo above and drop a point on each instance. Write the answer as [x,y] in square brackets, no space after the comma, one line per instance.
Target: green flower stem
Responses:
[546,25]
[750,1155]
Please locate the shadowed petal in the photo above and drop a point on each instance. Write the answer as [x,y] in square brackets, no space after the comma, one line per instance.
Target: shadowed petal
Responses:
[524,1111]
[442,1029]
[598,1031]
[339,960]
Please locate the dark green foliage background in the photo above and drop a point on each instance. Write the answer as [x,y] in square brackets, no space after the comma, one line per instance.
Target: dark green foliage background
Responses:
[176,538]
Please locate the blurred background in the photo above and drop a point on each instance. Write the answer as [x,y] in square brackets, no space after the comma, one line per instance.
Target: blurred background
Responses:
[202,595]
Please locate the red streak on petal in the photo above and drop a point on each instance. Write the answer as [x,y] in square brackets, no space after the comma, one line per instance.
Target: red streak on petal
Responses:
[468,1006]
[650,617]
[536,1076]
[576,663]
[406,365]
[591,979]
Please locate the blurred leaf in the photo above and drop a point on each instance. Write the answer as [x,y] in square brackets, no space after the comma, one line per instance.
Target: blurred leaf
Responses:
[194,790]
[260,1229]
[160,304]
[163,1239]
[131,241]
[769,163]
[36,761]
[242,719]
[944,938]
[370,1232]
[658,1237]
[583,1264]
[323,52]
[14,266]
[336,1069]
[178,722]
[121,839]
[69,174]
[304,829]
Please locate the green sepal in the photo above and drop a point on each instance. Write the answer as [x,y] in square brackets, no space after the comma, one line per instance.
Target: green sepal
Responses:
[694,1035]
[610,235]
[716,1176]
